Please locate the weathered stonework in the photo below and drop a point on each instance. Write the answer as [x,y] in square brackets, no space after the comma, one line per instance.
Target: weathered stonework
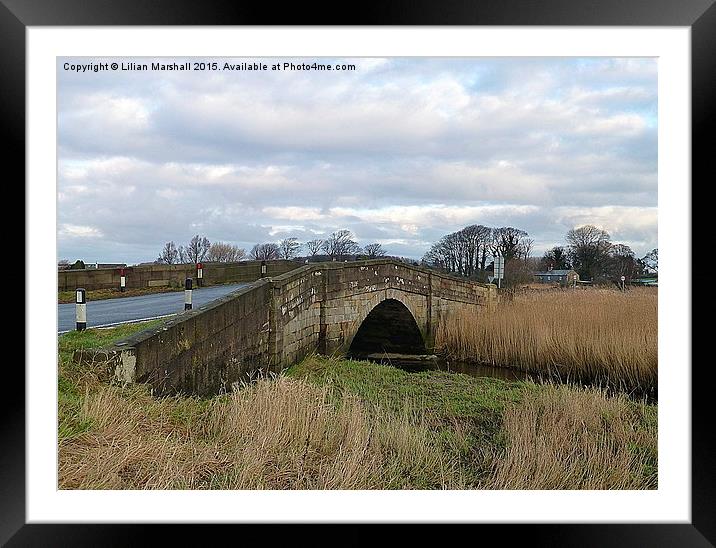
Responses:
[276,322]
[158,275]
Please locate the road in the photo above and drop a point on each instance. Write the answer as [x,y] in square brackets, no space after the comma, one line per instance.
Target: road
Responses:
[143,307]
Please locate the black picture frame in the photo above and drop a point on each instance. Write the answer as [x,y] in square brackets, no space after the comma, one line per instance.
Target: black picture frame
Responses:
[699,15]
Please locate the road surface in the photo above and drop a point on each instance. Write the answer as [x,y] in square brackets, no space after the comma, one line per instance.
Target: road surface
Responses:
[143,307]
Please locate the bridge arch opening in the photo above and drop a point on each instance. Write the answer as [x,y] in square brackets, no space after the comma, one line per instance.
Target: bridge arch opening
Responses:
[390,327]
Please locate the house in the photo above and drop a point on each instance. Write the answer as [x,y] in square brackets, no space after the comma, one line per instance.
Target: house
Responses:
[652,282]
[563,277]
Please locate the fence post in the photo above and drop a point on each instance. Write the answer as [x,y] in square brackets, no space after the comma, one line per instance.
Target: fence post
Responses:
[80,309]
[187,294]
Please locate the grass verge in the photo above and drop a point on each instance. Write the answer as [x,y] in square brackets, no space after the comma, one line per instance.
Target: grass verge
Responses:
[64,297]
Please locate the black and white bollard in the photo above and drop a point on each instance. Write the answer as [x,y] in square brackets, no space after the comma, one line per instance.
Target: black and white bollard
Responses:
[80,309]
[187,294]
[199,274]
[122,280]
[263,269]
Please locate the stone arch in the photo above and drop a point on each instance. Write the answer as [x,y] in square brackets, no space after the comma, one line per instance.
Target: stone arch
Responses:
[390,327]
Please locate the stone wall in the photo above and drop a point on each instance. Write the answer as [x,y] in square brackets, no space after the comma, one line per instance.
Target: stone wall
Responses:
[171,275]
[275,322]
[201,351]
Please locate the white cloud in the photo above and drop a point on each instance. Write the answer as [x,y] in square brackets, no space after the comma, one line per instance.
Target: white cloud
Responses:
[294,213]
[400,151]
[432,215]
[79,231]
[635,226]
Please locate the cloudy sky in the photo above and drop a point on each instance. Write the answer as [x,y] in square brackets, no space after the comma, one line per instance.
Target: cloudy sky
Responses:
[400,151]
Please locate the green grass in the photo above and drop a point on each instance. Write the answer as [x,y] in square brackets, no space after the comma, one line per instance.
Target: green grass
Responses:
[462,413]
[444,394]
[95,338]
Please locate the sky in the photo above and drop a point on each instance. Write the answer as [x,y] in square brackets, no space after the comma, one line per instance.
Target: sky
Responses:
[400,151]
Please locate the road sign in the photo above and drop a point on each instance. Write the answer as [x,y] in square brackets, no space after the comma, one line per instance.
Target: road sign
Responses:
[499,267]
[623,278]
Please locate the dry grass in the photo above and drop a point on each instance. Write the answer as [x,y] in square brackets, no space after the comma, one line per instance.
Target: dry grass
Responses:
[597,335]
[339,424]
[275,434]
[566,438]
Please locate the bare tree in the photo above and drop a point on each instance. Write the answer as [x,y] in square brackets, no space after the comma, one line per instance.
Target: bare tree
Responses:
[589,250]
[449,253]
[374,250]
[477,240]
[314,246]
[169,254]
[265,252]
[288,248]
[508,242]
[465,252]
[197,249]
[526,248]
[225,253]
[340,244]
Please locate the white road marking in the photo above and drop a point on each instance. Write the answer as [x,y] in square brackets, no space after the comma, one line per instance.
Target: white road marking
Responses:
[108,325]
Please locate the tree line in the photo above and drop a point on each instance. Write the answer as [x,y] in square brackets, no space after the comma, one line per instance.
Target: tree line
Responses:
[589,251]
[339,245]
[469,251]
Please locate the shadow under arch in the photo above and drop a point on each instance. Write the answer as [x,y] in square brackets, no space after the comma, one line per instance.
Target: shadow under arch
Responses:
[390,327]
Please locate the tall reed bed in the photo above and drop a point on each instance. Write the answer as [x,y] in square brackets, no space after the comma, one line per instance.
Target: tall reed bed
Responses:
[596,335]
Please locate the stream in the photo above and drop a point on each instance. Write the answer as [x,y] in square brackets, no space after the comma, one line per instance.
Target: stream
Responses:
[415,363]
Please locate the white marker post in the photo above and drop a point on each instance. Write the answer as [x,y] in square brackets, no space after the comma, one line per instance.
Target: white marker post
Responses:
[263,269]
[122,279]
[80,309]
[199,274]
[187,294]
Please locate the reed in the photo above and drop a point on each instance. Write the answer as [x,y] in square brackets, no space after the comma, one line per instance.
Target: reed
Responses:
[599,336]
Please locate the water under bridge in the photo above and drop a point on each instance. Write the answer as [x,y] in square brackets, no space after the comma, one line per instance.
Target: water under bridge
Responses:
[379,305]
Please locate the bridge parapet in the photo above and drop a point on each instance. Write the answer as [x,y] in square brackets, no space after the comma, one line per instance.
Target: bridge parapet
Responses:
[277,321]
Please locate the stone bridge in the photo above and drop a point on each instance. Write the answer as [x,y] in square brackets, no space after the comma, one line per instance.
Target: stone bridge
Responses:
[357,307]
